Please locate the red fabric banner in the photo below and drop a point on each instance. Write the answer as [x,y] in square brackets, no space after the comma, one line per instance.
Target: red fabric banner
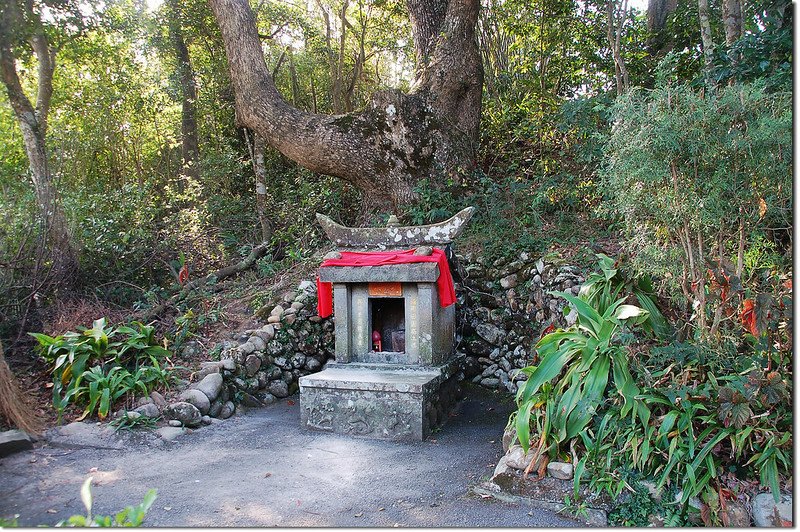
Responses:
[444,284]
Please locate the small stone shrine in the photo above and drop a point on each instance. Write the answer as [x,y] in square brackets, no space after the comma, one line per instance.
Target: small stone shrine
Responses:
[391,293]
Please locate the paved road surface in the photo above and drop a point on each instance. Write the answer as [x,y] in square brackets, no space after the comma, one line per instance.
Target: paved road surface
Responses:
[261,469]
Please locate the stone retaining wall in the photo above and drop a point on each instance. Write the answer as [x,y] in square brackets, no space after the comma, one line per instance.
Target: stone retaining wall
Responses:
[502,309]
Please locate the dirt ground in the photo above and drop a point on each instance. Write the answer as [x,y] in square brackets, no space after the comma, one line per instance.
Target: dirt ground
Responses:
[262,469]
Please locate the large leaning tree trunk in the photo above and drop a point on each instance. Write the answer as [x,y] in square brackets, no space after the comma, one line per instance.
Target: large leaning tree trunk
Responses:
[398,139]
[20,23]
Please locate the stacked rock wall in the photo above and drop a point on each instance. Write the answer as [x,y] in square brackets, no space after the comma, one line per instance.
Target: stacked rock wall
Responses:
[270,360]
[502,309]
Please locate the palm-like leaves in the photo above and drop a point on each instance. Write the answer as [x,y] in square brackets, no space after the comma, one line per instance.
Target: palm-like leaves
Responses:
[585,357]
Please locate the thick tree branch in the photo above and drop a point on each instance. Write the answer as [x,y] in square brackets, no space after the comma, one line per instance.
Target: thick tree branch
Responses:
[298,135]
[398,139]
[219,275]
[47,65]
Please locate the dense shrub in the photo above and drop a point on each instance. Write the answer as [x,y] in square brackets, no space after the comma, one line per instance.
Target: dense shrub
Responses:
[694,420]
[702,182]
[95,367]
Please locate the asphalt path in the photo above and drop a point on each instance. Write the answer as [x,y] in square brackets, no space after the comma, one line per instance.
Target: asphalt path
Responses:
[261,469]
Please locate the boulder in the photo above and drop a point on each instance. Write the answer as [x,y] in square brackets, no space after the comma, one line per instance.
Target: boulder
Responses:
[278,388]
[211,385]
[488,372]
[158,399]
[207,370]
[310,286]
[216,408]
[768,513]
[737,515]
[228,364]
[519,459]
[258,342]
[185,412]
[196,398]
[227,410]
[14,441]
[265,398]
[560,470]
[313,364]
[252,364]
[490,333]
[250,401]
[266,333]
[502,468]
[143,401]
[247,348]
[148,410]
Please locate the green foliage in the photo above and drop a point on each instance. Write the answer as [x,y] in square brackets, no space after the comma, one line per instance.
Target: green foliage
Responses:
[764,53]
[614,279]
[689,417]
[96,367]
[688,172]
[585,358]
[136,422]
[130,516]
[9,522]
[636,508]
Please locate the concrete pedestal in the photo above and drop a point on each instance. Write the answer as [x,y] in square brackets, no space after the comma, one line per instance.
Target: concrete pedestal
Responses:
[383,401]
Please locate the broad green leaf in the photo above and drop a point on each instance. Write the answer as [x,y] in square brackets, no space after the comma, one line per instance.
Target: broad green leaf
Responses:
[580,467]
[149,499]
[105,403]
[523,425]
[549,368]
[721,435]
[585,312]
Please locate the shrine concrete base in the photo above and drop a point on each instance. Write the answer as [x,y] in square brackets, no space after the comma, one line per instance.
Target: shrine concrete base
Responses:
[382,401]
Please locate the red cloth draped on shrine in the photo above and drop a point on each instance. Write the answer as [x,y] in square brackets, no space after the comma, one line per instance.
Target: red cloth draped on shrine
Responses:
[444,284]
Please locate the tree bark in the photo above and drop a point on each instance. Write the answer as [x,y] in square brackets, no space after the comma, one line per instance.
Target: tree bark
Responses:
[398,139]
[658,11]
[705,35]
[427,17]
[258,150]
[190,145]
[616,20]
[33,124]
[732,19]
